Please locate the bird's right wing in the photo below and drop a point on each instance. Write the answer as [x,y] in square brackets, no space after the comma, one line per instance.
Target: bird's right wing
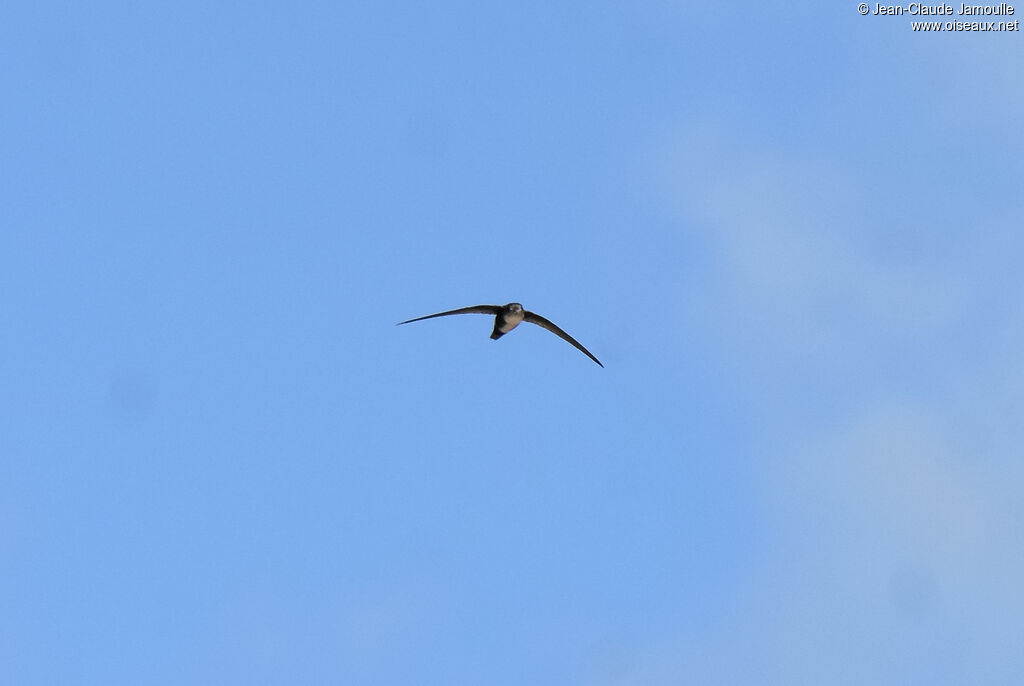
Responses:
[475,309]
[545,324]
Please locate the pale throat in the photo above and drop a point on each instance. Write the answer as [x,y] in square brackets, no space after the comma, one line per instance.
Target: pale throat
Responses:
[511,320]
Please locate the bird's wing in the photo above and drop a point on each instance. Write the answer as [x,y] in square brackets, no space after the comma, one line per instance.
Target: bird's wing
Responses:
[540,321]
[475,309]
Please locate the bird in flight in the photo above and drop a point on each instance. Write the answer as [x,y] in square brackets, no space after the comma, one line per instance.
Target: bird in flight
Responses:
[508,317]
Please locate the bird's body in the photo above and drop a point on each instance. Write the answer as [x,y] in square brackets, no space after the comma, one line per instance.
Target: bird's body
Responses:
[508,317]
[511,316]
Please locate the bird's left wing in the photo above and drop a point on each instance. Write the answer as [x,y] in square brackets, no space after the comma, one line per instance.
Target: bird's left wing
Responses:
[475,309]
[544,323]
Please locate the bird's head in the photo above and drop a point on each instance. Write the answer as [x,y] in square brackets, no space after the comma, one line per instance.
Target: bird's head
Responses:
[514,307]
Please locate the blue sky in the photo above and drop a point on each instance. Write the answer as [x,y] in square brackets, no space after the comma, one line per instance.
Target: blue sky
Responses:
[792,235]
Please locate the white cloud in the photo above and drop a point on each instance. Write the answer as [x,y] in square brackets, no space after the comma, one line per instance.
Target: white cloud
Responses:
[896,555]
[896,530]
[789,254]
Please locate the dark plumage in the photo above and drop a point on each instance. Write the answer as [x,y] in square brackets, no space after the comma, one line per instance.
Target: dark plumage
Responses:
[508,317]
